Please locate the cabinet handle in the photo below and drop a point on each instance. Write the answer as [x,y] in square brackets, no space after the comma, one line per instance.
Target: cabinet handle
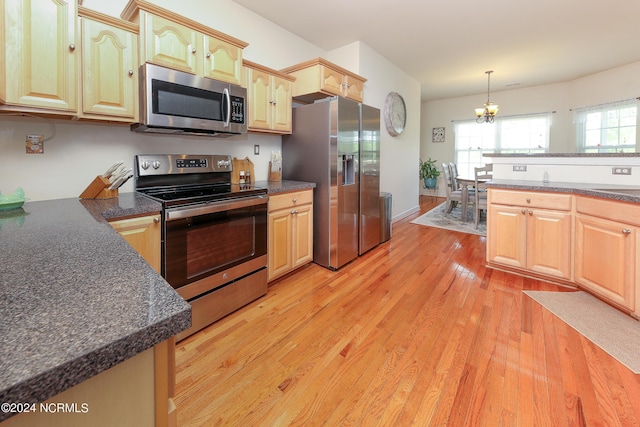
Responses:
[626,231]
[72,47]
[524,211]
[294,200]
[156,220]
[528,200]
[193,50]
[131,72]
[293,212]
[530,213]
[208,54]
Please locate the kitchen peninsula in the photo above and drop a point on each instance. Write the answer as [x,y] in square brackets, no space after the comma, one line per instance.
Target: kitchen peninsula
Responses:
[81,316]
[581,231]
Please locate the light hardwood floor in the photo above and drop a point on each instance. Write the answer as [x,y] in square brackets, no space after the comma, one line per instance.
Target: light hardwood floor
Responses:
[416,332]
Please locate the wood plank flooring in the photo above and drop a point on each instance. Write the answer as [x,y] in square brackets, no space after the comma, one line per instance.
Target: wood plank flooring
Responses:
[417,332]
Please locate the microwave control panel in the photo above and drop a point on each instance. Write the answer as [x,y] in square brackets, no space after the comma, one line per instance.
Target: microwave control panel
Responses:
[237,109]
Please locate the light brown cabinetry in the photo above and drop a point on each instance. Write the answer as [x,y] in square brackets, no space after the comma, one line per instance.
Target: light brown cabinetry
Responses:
[319,78]
[143,234]
[606,239]
[290,232]
[173,41]
[269,98]
[530,231]
[109,67]
[39,55]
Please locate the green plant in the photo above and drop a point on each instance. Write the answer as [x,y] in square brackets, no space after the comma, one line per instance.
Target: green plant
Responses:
[428,169]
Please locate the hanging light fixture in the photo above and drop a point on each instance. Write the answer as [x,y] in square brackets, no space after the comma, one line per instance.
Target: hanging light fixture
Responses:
[487,113]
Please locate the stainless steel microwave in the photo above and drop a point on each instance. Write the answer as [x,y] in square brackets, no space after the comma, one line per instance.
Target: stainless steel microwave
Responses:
[174,102]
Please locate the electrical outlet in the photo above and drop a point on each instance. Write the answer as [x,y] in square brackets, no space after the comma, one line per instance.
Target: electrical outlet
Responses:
[621,170]
[256,149]
[519,168]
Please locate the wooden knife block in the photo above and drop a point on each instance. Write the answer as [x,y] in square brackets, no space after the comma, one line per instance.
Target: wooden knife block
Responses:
[99,189]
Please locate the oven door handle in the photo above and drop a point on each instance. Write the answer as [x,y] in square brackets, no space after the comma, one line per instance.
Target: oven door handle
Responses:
[209,208]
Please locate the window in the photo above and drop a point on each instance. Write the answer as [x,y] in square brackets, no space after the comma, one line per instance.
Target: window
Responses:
[516,134]
[607,128]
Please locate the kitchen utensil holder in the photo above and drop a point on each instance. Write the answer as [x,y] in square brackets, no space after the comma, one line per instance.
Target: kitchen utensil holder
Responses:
[275,173]
[99,189]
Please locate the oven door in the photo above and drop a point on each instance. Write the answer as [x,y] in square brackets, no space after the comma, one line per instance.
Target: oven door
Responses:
[210,245]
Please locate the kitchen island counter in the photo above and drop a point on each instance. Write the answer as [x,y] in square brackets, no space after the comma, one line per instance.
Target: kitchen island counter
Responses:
[620,193]
[75,298]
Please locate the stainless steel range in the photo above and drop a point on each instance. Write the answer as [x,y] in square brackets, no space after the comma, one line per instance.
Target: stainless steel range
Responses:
[214,233]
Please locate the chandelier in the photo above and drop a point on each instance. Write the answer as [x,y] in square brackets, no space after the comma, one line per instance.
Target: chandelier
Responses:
[487,113]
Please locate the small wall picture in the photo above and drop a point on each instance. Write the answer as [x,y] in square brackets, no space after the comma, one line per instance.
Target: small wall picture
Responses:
[438,135]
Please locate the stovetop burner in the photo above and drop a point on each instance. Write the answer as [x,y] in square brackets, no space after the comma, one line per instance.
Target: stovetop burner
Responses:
[185,179]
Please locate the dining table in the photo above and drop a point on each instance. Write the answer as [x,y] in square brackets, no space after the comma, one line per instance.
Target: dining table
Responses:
[466,184]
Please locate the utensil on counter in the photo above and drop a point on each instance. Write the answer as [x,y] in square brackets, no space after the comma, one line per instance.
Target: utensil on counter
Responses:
[112,169]
[121,178]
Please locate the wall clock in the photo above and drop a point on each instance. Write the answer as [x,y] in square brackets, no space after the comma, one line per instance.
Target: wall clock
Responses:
[437,135]
[395,114]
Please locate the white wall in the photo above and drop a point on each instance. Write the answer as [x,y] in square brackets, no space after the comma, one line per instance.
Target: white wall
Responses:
[80,151]
[608,86]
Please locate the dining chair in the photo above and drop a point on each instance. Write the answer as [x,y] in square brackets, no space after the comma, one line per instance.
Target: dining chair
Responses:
[453,195]
[453,167]
[482,175]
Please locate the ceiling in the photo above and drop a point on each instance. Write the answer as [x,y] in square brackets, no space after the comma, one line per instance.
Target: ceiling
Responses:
[448,45]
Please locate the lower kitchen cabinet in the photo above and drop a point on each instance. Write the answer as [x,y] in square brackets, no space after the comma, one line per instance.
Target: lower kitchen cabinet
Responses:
[136,392]
[290,232]
[530,231]
[143,234]
[606,250]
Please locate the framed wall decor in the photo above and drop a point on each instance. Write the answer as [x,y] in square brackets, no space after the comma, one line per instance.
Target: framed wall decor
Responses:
[437,135]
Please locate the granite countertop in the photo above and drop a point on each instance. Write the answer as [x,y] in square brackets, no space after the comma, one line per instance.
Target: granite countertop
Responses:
[552,155]
[285,186]
[75,298]
[606,191]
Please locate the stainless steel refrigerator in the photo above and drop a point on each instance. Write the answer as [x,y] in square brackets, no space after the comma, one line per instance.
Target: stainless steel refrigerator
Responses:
[336,144]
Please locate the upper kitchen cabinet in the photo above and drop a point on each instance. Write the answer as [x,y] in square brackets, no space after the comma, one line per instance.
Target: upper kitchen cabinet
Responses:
[319,78]
[173,41]
[269,97]
[109,80]
[39,55]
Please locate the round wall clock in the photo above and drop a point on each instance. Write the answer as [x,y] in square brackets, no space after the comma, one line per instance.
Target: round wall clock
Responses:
[395,114]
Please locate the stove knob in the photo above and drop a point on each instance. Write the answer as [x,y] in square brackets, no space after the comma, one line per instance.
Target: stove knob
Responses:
[145,165]
[156,164]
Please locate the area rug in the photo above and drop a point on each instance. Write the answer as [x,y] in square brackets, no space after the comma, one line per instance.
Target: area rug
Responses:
[613,331]
[437,217]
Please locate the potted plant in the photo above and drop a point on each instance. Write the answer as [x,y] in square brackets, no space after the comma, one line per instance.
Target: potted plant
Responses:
[429,173]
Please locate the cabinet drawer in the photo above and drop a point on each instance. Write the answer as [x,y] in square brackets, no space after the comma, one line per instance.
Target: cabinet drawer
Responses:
[534,199]
[289,200]
[628,213]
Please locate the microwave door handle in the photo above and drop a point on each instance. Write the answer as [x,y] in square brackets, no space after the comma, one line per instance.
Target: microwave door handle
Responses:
[227,97]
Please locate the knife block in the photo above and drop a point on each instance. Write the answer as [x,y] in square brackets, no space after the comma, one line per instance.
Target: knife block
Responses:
[99,189]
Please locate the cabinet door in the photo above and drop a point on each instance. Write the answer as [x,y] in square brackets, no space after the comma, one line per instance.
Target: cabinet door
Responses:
[303,235]
[170,44]
[143,234]
[605,259]
[353,88]
[331,80]
[109,58]
[281,108]
[260,100]
[223,61]
[549,242]
[506,235]
[40,53]
[280,243]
